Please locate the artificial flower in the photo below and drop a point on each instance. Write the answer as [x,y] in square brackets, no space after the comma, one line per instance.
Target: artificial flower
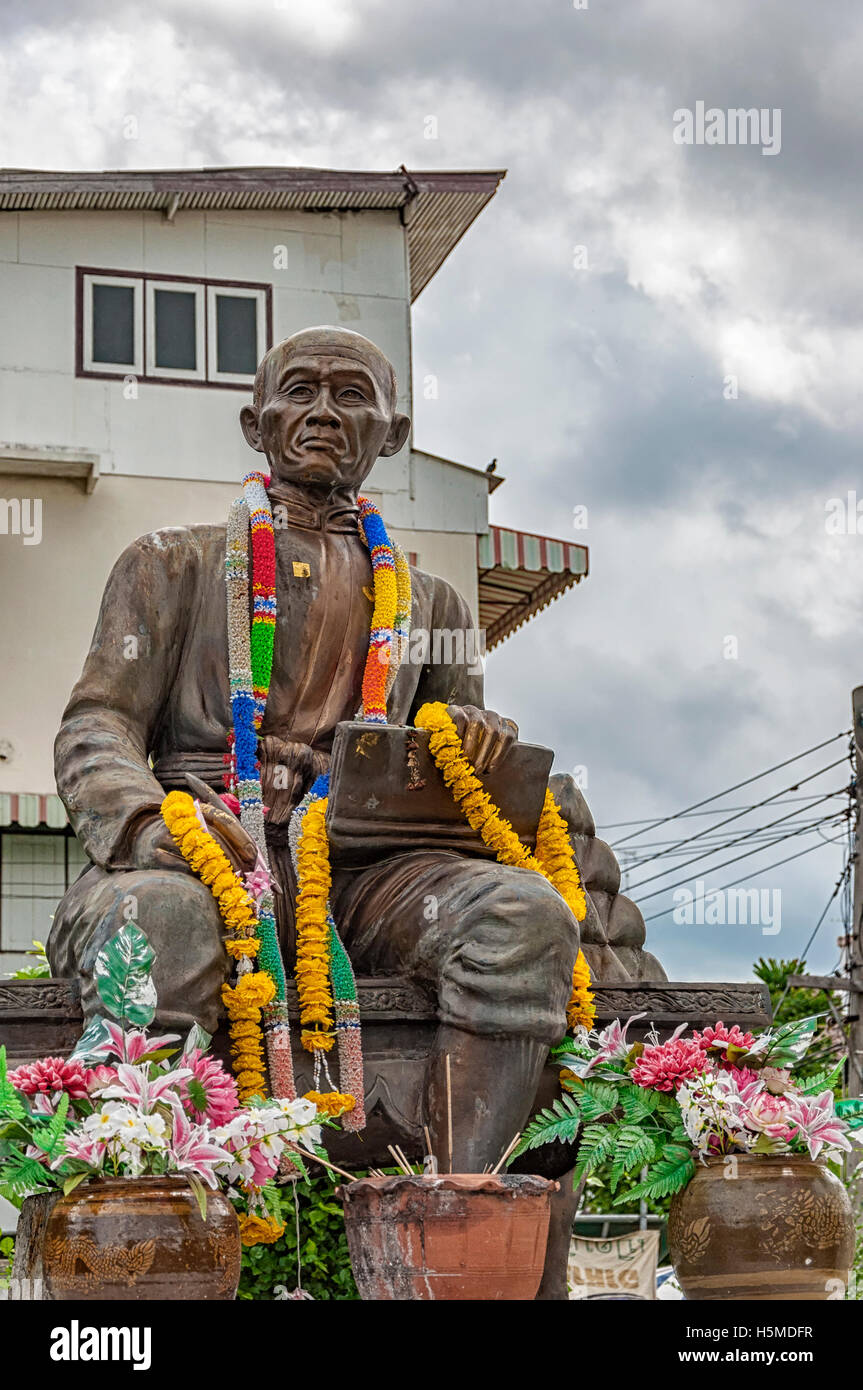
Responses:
[666,1066]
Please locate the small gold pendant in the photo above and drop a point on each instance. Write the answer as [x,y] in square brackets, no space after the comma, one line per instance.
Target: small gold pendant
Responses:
[301,570]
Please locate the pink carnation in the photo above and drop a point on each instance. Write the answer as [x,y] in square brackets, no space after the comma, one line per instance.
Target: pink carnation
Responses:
[666,1066]
[720,1039]
[219,1088]
[51,1075]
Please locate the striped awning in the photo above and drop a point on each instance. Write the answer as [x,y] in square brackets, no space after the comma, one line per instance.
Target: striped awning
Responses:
[30,809]
[520,574]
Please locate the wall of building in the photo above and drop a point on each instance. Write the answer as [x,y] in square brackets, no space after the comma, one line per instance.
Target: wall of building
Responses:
[339,268]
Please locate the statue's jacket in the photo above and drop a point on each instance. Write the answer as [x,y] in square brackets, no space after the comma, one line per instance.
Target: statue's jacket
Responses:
[153,699]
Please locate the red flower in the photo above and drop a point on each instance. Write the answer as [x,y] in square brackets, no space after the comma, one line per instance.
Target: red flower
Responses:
[51,1075]
[667,1066]
[729,1043]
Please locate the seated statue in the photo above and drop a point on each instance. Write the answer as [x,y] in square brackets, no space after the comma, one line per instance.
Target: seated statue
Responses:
[153,704]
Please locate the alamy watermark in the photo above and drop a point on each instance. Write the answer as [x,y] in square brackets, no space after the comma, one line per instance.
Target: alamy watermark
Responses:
[719,907]
[737,126]
[21,516]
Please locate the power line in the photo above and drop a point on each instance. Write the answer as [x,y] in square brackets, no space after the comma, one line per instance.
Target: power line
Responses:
[734,882]
[759,849]
[713,828]
[642,820]
[737,785]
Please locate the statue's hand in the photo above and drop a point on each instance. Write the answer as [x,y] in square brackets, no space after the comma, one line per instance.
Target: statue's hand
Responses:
[486,737]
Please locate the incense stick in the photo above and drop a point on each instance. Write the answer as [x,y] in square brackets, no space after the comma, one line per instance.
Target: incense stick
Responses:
[506,1153]
[304,1153]
[408,1172]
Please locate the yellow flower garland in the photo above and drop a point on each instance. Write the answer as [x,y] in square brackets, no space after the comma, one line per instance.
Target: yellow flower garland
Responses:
[313,932]
[553,859]
[254,989]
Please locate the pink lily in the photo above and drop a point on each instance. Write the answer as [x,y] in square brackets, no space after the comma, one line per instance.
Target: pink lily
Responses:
[133,1084]
[612,1043]
[131,1046]
[816,1122]
[192,1152]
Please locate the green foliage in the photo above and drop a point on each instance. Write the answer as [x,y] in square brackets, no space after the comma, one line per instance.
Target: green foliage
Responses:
[561,1122]
[38,971]
[123,978]
[326,1269]
[799,1003]
[669,1174]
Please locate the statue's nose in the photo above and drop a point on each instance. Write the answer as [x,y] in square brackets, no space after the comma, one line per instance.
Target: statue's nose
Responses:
[321,412]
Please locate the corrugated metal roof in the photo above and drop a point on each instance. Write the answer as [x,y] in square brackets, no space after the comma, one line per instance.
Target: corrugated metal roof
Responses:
[437,208]
[519,574]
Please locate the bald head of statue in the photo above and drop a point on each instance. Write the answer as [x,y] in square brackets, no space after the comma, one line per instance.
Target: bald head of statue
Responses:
[324,408]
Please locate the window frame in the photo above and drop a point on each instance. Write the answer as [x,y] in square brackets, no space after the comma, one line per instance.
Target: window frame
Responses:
[234,292]
[154,372]
[165,376]
[122,369]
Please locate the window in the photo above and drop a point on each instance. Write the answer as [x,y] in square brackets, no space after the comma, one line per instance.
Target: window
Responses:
[35,870]
[237,322]
[112,313]
[175,331]
[172,329]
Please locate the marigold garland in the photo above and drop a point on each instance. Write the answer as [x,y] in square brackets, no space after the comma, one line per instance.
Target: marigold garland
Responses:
[553,858]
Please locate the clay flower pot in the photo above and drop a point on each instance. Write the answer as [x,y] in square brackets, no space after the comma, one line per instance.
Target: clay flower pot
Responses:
[141,1239]
[759,1227]
[455,1236]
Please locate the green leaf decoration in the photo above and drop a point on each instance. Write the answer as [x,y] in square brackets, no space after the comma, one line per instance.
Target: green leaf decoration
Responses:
[200,1193]
[821,1081]
[596,1099]
[123,976]
[92,1037]
[790,1043]
[197,1094]
[669,1174]
[49,1137]
[637,1103]
[633,1149]
[597,1144]
[22,1176]
[561,1123]
[197,1037]
[851,1111]
[11,1103]
[73,1181]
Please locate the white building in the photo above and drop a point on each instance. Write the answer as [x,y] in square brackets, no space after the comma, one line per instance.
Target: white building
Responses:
[133,310]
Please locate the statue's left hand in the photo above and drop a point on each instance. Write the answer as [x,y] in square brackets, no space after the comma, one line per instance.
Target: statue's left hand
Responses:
[486,737]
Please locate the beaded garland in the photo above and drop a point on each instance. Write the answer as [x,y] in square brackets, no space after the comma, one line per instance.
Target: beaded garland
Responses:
[553,858]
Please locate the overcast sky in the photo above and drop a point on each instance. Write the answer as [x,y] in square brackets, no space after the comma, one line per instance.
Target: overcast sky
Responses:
[691,375]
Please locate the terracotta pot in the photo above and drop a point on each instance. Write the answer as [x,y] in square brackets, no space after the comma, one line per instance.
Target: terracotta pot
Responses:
[141,1239]
[756,1227]
[456,1236]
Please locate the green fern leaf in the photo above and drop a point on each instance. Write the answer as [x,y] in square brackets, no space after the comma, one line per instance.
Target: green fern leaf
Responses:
[49,1137]
[561,1123]
[634,1148]
[597,1144]
[597,1099]
[669,1174]
[822,1081]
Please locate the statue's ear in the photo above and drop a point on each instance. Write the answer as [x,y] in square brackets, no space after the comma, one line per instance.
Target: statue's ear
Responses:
[399,431]
[250,425]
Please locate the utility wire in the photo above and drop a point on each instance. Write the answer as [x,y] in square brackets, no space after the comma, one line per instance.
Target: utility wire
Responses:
[643,820]
[733,884]
[713,828]
[846,869]
[759,849]
[737,785]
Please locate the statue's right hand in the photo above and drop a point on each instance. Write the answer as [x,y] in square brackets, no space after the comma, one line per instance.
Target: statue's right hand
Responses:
[154,848]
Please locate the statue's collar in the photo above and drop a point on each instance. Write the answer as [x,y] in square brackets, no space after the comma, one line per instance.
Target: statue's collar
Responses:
[334,513]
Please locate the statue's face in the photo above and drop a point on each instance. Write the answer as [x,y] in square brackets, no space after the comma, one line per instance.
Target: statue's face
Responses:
[325,418]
